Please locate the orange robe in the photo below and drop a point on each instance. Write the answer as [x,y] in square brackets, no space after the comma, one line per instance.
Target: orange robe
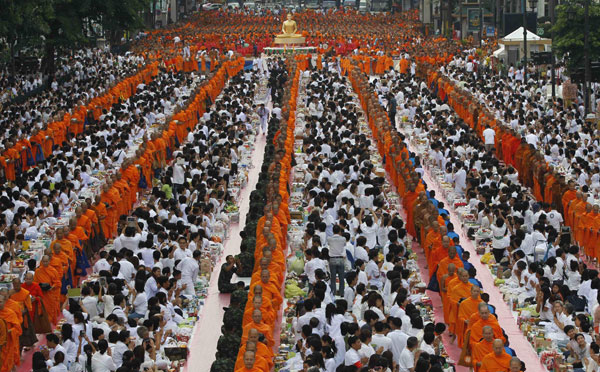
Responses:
[11,350]
[567,197]
[477,328]
[51,297]
[262,351]
[263,328]
[455,293]
[493,363]
[466,309]
[478,351]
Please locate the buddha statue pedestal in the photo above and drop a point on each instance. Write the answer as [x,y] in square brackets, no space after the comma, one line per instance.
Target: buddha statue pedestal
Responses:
[289,40]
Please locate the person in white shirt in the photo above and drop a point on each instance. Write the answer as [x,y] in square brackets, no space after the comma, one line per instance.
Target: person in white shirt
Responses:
[121,347]
[397,336]
[103,263]
[59,366]
[352,358]
[89,302]
[379,339]
[409,355]
[127,270]
[428,344]
[489,136]
[102,360]
[131,235]
[190,267]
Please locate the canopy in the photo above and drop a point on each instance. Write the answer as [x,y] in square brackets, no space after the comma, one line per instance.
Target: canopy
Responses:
[517,35]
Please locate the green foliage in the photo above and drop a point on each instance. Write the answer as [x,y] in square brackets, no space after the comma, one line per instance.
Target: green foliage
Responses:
[61,24]
[23,23]
[569,32]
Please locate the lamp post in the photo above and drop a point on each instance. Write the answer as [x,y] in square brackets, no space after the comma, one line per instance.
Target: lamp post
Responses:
[587,76]
[586,46]
[524,6]
[552,73]
[480,24]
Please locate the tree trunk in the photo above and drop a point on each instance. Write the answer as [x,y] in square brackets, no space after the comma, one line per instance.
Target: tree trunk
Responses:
[48,65]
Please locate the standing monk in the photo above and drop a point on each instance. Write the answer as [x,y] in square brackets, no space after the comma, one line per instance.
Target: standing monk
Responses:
[11,350]
[467,308]
[498,360]
[47,277]
[36,293]
[21,296]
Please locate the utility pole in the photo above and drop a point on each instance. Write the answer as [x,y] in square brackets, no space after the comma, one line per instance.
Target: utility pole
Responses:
[586,46]
[524,6]
[553,73]
[480,24]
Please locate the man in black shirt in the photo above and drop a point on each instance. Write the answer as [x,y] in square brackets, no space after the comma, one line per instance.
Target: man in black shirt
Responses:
[230,267]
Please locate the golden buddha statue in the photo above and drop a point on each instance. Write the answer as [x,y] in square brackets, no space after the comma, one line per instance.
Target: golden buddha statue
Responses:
[289,27]
[289,35]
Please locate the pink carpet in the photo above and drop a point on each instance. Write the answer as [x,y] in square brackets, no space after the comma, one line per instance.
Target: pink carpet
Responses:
[204,341]
[507,321]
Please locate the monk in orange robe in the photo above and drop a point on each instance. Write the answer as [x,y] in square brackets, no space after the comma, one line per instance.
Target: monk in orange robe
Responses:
[496,361]
[270,291]
[21,296]
[11,351]
[261,349]
[262,363]
[51,297]
[257,323]
[433,240]
[266,263]
[460,289]
[467,308]
[261,304]
[445,281]
[481,319]
[482,348]
[568,196]
[451,259]
[441,252]
[250,363]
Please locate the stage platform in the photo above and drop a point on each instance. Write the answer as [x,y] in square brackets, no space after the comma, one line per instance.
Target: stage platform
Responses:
[289,50]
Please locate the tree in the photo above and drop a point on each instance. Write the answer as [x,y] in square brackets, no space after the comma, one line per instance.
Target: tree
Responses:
[22,24]
[569,32]
[58,25]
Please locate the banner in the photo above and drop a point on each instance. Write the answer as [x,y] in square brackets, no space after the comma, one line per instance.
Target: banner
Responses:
[473,19]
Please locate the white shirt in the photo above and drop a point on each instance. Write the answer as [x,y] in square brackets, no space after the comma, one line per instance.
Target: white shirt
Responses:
[189,270]
[351,357]
[407,360]
[379,340]
[91,305]
[398,343]
[127,269]
[102,363]
[131,243]
[59,368]
[489,135]
[100,265]
[117,354]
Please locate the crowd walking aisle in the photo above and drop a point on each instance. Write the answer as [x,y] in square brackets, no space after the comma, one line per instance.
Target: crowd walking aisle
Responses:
[420,146]
[338,283]
[506,318]
[203,343]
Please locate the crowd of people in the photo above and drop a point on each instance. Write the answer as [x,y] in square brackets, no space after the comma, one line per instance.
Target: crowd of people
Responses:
[360,312]
[80,192]
[539,260]
[138,152]
[32,129]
